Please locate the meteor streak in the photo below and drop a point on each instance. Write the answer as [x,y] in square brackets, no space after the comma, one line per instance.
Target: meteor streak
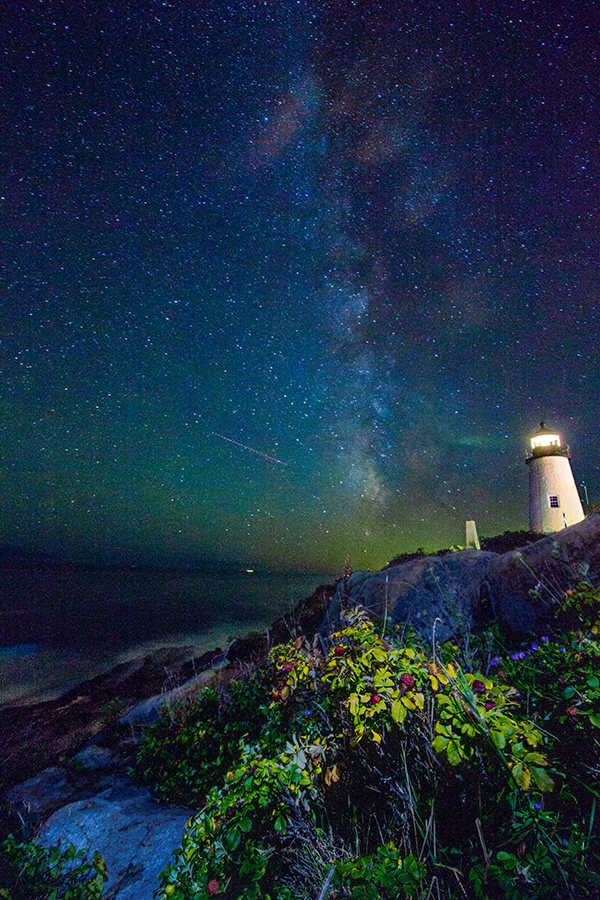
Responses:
[251,449]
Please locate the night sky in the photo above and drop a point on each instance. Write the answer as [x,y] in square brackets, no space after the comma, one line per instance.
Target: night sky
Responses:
[285,282]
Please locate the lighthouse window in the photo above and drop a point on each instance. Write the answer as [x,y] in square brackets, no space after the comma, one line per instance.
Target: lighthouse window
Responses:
[554,502]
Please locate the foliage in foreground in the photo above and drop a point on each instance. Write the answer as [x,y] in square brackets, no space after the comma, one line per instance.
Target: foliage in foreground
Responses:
[30,871]
[369,768]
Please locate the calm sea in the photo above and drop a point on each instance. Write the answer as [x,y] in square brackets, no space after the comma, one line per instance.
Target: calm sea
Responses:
[59,626]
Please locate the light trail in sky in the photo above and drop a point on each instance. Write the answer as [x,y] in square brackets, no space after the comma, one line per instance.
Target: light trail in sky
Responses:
[251,449]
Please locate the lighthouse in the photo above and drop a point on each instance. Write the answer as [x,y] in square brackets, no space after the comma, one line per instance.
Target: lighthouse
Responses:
[553,499]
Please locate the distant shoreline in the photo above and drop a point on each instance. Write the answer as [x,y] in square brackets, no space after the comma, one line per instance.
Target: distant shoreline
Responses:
[16,558]
[66,624]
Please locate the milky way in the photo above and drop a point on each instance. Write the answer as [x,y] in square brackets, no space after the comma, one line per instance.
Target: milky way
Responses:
[359,239]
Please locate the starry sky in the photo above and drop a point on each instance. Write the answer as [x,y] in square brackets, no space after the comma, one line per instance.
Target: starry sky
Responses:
[285,281]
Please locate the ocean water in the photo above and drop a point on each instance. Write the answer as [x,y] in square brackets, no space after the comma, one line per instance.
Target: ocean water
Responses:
[59,626]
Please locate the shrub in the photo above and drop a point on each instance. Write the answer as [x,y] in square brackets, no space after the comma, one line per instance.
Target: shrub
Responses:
[30,871]
[370,767]
[193,745]
[358,741]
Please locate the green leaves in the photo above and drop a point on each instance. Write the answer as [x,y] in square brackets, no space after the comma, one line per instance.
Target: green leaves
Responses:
[233,836]
[345,734]
[541,779]
[54,873]
[398,711]
[445,742]
[475,713]
[246,825]
[192,747]
[521,775]
[384,874]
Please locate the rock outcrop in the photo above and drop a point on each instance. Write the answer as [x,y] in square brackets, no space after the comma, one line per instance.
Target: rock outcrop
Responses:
[90,801]
[459,591]
[133,833]
[525,585]
[449,591]
[46,734]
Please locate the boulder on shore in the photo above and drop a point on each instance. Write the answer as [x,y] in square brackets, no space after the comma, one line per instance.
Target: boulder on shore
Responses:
[461,590]
[526,585]
[446,594]
[134,834]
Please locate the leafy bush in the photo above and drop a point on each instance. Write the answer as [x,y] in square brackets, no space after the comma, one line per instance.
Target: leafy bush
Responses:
[384,874]
[366,767]
[232,843]
[30,871]
[193,745]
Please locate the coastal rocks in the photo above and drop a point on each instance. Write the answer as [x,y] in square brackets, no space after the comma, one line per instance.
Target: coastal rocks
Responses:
[148,711]
[460,590]
[526,585]
[133,833]
[93,757]
[33,800]
[450,591]
[46,734]
[27,805]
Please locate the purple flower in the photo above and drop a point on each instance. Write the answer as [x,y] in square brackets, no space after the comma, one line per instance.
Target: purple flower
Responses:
[544,638]
[563,649]
[520,655]
[495,661]
[535,647]
[537,805]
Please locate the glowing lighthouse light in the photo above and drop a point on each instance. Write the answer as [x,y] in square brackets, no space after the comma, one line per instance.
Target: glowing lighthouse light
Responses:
[545,439]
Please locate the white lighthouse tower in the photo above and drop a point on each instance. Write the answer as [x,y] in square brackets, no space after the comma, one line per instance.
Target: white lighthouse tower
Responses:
[553,499]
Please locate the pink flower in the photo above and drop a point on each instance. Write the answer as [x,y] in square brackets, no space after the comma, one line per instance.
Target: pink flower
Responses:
[478,687]
[489,704]
[213,886]
[407,680]
[288,666]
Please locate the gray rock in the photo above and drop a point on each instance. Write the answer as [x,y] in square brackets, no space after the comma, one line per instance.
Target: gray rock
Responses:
[148,711]
[94,757]
[450,589]
[525,586]
[145,713]
[460,590]
[133,833]
[37,797]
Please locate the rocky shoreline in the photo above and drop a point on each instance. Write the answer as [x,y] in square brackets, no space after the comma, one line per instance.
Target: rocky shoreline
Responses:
[49,733]
[64,762]
[463,587]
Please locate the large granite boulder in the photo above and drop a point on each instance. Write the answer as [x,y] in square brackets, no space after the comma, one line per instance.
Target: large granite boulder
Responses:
[450,591]
[526,585]
[460,590]
[133,833]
